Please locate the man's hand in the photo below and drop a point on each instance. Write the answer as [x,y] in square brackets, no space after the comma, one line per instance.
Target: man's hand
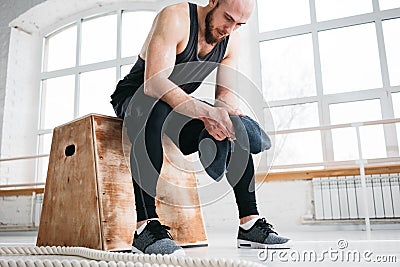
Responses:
[218,124]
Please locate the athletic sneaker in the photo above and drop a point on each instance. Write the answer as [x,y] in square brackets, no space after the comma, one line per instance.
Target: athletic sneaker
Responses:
[261,235]
[155,239]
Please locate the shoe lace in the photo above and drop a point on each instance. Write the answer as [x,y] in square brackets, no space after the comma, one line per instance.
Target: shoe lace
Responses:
[265,227]
[160,231]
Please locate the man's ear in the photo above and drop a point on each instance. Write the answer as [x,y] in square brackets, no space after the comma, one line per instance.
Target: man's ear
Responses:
[212,3]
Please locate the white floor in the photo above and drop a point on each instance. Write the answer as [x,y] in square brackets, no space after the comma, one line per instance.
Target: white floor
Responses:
[345,248]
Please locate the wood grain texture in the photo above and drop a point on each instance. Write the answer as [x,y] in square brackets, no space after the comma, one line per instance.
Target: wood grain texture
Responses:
[89,199]
[70,213]
[178,204]
[117,209]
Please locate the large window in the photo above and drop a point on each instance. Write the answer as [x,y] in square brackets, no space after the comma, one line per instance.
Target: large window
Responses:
[334,9]
[349,59]
[328,62]
[275,15]
[82,62]
[345,146]
[391,29]
[289,72]
[396,99]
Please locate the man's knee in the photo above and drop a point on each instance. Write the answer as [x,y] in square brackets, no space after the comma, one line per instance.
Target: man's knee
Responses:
[158,116]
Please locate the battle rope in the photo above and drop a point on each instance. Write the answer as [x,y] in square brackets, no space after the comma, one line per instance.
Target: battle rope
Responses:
[99,258]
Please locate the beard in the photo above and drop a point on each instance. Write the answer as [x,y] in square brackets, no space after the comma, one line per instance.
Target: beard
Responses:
[210,38]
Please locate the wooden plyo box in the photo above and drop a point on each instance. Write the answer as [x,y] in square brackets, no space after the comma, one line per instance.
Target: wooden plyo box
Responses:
[89,198]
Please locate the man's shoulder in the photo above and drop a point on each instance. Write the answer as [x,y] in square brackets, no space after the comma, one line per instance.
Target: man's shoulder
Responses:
[175,18]
[178,11]
[179,6]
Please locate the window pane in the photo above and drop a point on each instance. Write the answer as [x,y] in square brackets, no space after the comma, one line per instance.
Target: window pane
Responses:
[396,107]
[298,148]
[280,14]
[295,116]
[44,148]
[135,27]
[391,30]
[333,9]
[42,169]
[388,4]
[288,68]
[62,49]
[45,143]
[396,104]
[358,111]
[125,69]
[345,144]
[95,91]
[99,39]
[349,59]
[58,101]
[373,141]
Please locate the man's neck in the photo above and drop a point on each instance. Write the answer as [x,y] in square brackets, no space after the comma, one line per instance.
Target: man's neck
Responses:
[201,18]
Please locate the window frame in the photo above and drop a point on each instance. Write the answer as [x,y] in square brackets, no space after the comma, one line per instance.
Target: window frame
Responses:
[79,68]
[324,100]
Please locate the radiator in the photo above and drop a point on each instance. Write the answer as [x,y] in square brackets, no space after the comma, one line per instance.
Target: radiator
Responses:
[341,197]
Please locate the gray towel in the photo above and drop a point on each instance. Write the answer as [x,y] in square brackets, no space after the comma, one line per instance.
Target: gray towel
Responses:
[214,154]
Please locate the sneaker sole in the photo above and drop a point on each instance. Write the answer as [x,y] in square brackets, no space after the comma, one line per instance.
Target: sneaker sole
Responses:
[177,253]
[254,245]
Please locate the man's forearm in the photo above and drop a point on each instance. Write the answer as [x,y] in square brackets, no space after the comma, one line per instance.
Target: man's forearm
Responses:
[180,101]
[216,119]
[187,105]
[225,97]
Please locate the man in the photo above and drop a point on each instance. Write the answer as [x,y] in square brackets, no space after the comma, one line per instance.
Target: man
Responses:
[161,82]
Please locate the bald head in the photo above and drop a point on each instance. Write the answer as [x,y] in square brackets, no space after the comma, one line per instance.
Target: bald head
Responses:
[248,4]
[222,17]
[245,7]
[249,1]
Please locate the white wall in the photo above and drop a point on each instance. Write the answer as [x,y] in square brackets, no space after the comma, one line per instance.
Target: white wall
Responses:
[9,10]
[20,110]
[16,211]
[283,203]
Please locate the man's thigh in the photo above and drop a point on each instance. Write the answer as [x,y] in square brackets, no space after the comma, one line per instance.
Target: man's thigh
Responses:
[184,131]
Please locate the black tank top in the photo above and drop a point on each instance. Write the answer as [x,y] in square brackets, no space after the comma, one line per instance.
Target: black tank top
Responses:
[189,70]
